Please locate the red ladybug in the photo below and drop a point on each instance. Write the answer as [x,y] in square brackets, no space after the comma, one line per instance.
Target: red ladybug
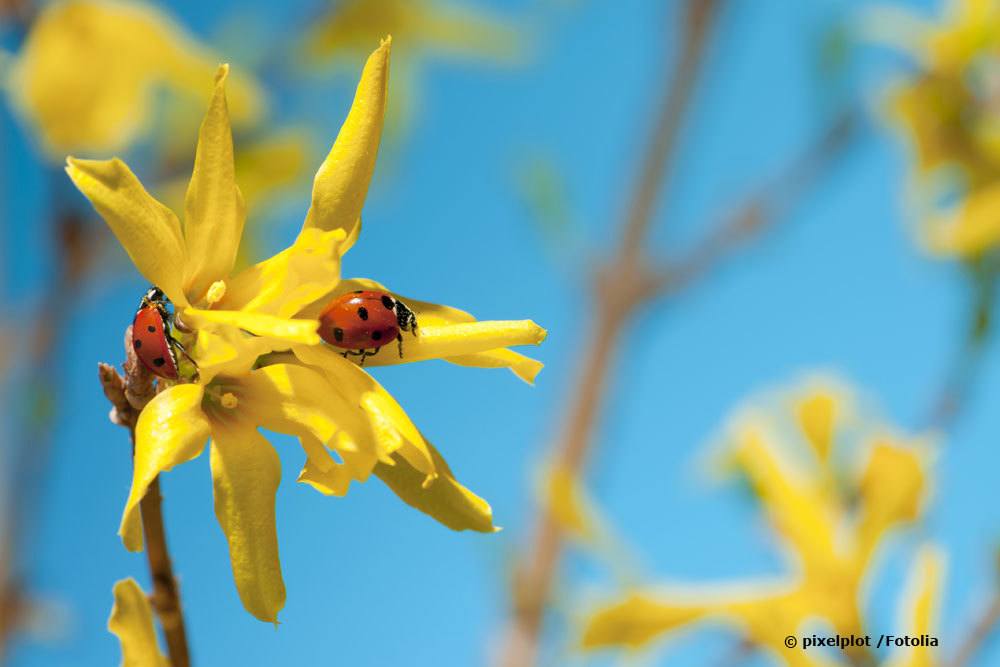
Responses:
[151,338]
[364,321]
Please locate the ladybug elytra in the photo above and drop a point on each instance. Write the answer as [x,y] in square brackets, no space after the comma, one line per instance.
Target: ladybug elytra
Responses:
[152,340]
[364,321]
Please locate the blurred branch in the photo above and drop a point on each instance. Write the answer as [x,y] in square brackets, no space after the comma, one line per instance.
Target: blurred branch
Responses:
[952,397]
[535,573]
[128,395]
[625,283]
[39,402]
[981,631]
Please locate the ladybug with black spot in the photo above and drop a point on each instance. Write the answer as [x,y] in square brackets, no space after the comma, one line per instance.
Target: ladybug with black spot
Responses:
[152,340]
[364,321]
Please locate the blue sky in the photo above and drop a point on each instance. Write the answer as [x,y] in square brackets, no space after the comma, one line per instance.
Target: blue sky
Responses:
[838,286]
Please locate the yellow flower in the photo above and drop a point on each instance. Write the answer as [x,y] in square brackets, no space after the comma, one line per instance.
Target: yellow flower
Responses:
[87,72]
[808,502]
[132,622]
[950,112]
[261,362]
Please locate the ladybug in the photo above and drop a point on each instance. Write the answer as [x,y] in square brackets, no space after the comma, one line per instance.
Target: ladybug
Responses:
[364,321]
[152,341]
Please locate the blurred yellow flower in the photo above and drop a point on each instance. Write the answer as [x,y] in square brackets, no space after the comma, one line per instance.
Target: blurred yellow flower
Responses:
[950,112]
[87,73]
[920,604]
[132,622]
[830,520]
[261,362]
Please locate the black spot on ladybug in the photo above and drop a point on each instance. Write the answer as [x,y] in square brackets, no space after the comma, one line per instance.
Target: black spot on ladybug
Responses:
[151,329]
[363,313]
[358,291]
[338,334]
[159,361]
[388,302]
[376,335]
[137,343]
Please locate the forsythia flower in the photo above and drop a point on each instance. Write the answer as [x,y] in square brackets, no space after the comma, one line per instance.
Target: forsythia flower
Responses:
[808,503]
[88,69]
[951,113]
[261,362]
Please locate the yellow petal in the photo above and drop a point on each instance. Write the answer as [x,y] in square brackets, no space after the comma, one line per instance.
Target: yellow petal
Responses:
[523,367]
[920,607]
[388,423]
[892,490]
[796,508]
[457,340]
[335,481]
[293,399]
[132,622]
[213,208]
[148,230]
[636,621]
[341,183]
[171,429]
[971,229]
[228,351]
[817,414]
[246,473]
[269,326]
[444,499]
[286,283]
[435,315]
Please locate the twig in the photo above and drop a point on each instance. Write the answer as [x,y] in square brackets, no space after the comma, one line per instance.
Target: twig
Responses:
[618,291]
[952,397]
[73,252]
[624,285]
[980,632]
[128,396]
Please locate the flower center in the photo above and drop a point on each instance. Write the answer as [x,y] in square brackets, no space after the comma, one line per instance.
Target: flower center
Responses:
[229,400]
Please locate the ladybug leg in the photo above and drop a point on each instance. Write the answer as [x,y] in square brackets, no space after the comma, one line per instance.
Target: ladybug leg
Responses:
[399,341]
[362,353]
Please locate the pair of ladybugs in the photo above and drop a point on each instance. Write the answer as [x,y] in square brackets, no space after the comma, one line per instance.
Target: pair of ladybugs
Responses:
[361,323]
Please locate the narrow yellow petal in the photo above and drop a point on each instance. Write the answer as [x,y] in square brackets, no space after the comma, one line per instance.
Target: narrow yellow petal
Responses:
[444,499]
[171,429]
[132,622]
[148,230]
[635,621]
[213,208]
[335,481]
[457,340]
[920,606]
[341,183]
[278,328]
[246,473]
[523,367]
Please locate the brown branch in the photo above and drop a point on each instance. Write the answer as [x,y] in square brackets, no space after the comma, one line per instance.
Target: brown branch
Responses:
[624,285]
[618,292]
[981,630]
[73,252]
[128,396]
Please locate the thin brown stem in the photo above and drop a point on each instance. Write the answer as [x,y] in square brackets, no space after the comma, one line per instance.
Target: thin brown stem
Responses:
[981,631]
[128,396]
[625,284]
[166,598]
[618,292]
